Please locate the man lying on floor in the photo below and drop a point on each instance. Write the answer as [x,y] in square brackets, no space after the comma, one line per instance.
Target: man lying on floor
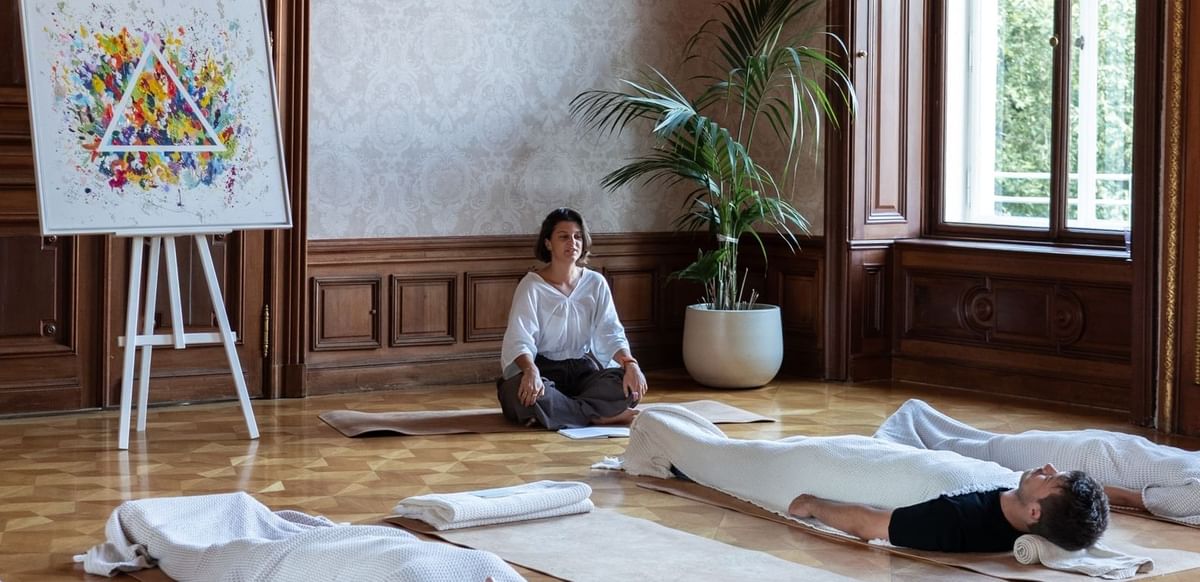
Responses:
[873,489]
[1067,508]
[1134,471]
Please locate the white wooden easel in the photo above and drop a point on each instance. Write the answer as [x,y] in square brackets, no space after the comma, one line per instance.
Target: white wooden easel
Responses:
[178,338]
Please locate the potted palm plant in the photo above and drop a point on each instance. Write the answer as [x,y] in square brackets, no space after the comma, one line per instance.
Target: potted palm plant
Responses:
[769,88]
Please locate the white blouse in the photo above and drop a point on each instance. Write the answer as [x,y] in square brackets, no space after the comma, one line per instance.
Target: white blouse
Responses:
[545,322]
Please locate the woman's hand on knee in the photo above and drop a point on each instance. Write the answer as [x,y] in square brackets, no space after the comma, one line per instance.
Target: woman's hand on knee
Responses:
[635,381]
[531,388]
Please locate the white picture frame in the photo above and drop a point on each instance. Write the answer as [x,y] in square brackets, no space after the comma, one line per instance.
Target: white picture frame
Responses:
[153,117]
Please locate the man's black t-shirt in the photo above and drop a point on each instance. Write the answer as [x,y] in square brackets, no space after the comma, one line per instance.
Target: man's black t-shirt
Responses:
[973,522]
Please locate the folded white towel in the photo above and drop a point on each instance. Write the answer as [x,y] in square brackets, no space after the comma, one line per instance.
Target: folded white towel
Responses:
[1098,560]
[502,505]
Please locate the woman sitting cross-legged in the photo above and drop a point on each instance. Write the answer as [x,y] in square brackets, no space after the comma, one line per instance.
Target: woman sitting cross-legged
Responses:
[562,323]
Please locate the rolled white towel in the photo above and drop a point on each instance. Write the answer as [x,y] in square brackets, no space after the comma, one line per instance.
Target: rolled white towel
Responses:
[501,505]
[1098,560]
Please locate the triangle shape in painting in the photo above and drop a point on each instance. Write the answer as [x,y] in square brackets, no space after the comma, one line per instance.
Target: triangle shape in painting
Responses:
[156,113]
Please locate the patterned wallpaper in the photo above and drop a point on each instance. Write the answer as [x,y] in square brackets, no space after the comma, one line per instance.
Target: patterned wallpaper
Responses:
[437,118]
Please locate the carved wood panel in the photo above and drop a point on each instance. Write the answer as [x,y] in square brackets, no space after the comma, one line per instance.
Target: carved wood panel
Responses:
[796,283]
[1010,319]
[1017,313]
[1107,333]
[870,303]
[875,298]
[799,302]
[635,294]
[1023,313]
[345,313]
[35,300]
[489,299]
[934,305]
[887,68]
[423,309]
[48,304]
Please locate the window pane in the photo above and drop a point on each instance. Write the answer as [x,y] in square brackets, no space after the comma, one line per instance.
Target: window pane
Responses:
[999,67]
[1101,154]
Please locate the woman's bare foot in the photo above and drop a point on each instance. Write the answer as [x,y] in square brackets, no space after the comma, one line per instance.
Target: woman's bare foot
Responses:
[625,417]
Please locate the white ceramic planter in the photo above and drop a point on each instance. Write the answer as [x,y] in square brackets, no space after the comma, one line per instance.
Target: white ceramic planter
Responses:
[733,349]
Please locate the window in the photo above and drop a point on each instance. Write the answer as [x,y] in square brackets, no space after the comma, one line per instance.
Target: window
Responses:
[1037,133]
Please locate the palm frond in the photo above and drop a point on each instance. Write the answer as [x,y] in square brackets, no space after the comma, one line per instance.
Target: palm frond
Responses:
[765,76]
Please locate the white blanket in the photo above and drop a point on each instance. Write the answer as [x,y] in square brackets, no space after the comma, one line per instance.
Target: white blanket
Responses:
[232,537]
[1168,477]
[1098,560]
[770,474]
[502,505]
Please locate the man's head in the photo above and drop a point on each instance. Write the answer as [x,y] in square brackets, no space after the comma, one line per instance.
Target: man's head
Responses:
[1069,508]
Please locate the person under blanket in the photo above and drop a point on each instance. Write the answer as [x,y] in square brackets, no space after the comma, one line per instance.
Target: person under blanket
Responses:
[1134,471]
[1068,508]
[872,488]
[562,334]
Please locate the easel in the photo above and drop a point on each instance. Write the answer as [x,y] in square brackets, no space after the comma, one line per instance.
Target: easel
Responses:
[177,338]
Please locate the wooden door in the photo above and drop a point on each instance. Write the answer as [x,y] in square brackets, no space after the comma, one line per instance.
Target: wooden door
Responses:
[198,372]
[62,299]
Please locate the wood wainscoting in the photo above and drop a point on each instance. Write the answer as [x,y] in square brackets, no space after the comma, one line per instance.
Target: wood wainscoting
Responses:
[62,298]
[1015,320]
[393,313]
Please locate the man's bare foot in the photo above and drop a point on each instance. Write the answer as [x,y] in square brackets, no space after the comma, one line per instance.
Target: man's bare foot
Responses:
[625,417]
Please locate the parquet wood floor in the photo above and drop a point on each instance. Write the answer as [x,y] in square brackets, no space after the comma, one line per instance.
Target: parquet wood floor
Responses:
[61,476]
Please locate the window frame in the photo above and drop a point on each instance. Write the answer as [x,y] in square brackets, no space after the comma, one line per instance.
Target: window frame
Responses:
[1057,233]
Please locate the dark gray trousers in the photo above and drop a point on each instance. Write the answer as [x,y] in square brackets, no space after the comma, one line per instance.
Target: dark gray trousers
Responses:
[577,393]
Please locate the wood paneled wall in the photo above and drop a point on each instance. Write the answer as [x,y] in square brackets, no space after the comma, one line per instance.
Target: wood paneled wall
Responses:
[62,299]
[49,286]
[1010,319]
[390,313]
[875,179]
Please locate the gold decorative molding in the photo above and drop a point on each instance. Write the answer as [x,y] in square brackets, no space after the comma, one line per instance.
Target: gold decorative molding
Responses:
[1174,114]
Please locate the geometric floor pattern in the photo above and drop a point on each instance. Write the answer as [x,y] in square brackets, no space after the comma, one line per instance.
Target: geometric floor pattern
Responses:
[61,476]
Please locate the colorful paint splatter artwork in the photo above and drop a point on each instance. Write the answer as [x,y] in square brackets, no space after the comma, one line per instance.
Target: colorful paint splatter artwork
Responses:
[140,122]
[156,107]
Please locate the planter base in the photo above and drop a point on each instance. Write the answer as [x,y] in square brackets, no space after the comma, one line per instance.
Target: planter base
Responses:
[733,349]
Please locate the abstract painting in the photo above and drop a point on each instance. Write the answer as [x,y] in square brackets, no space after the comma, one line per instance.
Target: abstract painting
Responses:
[153,116]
